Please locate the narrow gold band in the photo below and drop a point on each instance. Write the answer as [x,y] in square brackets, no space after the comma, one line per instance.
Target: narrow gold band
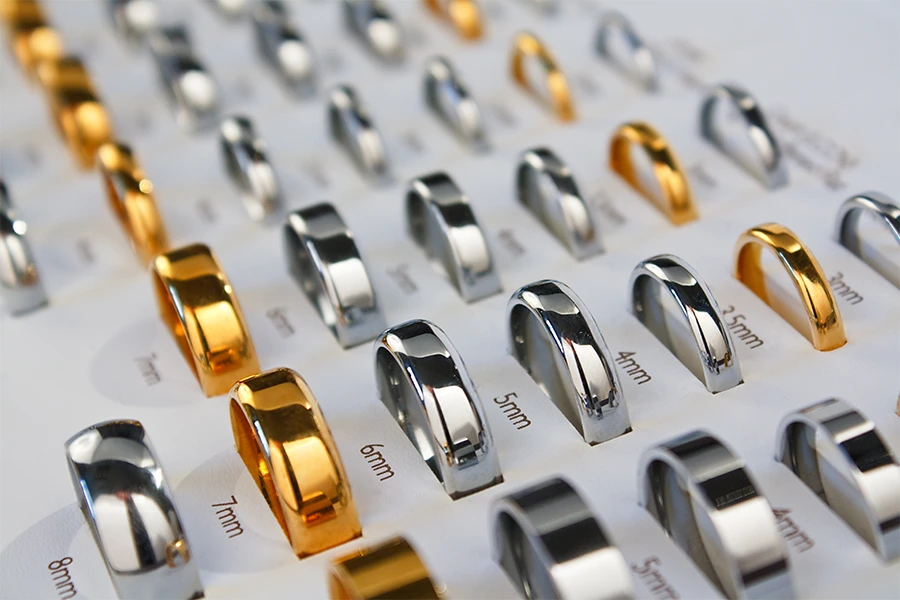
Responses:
[389,570]
[32,39]
[825,322]
[464,14]
[283,439]
[528,45]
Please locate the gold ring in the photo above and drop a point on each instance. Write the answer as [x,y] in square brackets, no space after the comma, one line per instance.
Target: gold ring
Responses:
[677,202]
[283,439]
[826,326]
[389,570]
[198,305]
[79,115]
[464,14]
[526,45]
[32,39]
[131,195]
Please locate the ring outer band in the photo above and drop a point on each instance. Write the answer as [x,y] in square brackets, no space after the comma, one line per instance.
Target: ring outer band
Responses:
[464,14]
[882,207]
[391,569]
[527,45]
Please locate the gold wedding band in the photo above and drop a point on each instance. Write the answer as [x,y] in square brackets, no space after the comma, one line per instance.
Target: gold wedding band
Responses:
[131,195]
[527,45]
[285,443]
[826,326]
[199,307]
[677,202]
[464,14]
[31,37]
[389,570]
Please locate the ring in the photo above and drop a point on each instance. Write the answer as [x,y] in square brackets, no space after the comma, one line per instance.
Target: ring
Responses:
[200,309]
[127,503]
[391,569]
[768,165]
[552,334]
[885,210]
[20,279]
[423,382]
[323,258]
[839,454]
[528,45]
[353,130]
[441,222]
[708,503]
[248,167]
[464,14]
[551,545]
[715,362]
[678,201]
[825,323]
[33,39]
[134,19]
[547,188]
[447,96]
[283,47]
[643,65]
[283,439]
[375,26]
[130,194]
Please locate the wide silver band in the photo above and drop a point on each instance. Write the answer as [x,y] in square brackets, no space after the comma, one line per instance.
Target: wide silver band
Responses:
[352,128]
[440,220]
[547,188]
[839,454]
[423,382]
[713,360]
[323,259]
[376,28]
[130,510]
[553,335]
[244,155]
[883,208]
[447,96]
[708,503]
[20,281]
[768,164]
[283,47]
[551,546]
[642,67]
[134,19]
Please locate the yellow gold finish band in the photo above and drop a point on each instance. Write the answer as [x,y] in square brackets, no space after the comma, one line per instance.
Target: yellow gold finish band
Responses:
[130,194]
[464,14]
[826,326]
[282,437]
[388,570]
[677,201]
[527,45]
[32,39]
[199,307]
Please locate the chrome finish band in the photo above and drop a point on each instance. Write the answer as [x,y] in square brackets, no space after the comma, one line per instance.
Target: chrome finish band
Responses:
[244,154]
[547,188]
[423,382]
[20,280]
[441,222]
[323,258]
[715,362]
[449,99]
[551,545]
[769,164]
[839,454]
[353,130]
[231,9]
[552,334]
[134,19]
[374,25]
[885,209]
[283,47]
[643,64]
[709,504]
[129,507]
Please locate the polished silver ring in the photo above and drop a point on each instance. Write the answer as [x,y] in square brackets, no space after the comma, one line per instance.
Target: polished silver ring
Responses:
[885,210]
[447,96]
[352,128]
[642,67]
[715,362]
[130,510]
[709,504]
[547,188]
[423,382]
[551,545]
[441,222]
[839,454]
[20,280]
[134,19]
[375,27]
[323,259]
[282,46]
[244,155]
[768,164]
[552,334]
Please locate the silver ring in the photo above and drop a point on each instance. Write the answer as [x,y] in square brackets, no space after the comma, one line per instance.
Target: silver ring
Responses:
[127,503]
[374,25]
[552,334]
[353,130]
[441,222]
[715,363]
[249,169]
[134,19]
[191,90]
[839,454]
[20,280]
[323,259]
[551,545]
[231,9]
[709,504]
[643,64]
[546,187]
[449,99]
[423,382]
[886,210]
[768,165]
[283,47]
